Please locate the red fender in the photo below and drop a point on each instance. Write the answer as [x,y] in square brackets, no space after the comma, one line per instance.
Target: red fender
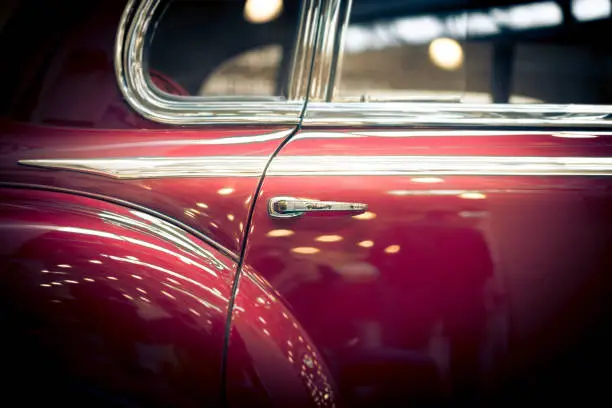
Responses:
[107,306]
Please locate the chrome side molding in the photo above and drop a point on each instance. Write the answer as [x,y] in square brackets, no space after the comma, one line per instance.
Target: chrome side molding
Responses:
[327,166]
[289,207]
[439,165]
[160,167]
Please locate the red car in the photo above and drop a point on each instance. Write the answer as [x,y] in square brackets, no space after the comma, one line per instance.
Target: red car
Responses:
[316,203]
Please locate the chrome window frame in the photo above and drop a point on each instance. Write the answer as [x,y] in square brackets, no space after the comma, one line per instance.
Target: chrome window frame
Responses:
[322,111]
[161,107]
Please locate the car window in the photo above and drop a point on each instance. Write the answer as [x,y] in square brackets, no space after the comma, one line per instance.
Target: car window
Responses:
[224,47]
[501,51]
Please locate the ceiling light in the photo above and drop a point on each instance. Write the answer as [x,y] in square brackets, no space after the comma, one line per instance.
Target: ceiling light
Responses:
[446,53]
[262,11]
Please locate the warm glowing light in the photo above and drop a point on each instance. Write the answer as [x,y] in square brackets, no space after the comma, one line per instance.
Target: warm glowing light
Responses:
[202,205]
[392,249]
[125,295]
[305,250]
[280,233]
[473,196]
[446,53]
[133,258]
[241,226]
[575,135]
[366,244]
[64,266]
[88,280]
[262,11]
[136,277]
[230,217]
[365,216]
[427,180]
[95,261]
[399,192]
[170,295]
[225,191]
[111,278]
[45,285]
[70,281]
[328,238]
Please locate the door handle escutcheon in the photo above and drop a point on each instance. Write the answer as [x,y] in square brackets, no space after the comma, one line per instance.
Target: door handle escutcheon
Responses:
[288,207]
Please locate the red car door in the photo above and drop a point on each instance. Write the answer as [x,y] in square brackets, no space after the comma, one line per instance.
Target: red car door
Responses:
[479,272]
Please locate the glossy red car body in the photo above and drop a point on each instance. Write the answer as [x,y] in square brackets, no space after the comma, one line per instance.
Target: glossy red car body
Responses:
[459,288]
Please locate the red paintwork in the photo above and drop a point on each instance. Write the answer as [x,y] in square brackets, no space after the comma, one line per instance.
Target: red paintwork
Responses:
[101,305]
[193,201]
[271,359]
[490,300]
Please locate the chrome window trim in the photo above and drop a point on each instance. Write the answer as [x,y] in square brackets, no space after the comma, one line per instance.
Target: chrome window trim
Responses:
[323,71]
[388,113]
[169,109]
[385,114]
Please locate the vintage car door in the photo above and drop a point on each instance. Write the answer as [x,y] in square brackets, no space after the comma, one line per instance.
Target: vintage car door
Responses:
[479,272]
[133,137]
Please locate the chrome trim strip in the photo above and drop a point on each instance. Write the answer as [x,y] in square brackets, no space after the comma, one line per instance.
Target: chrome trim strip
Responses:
[439,165]
[324,61]
[409,133]
[304,50]
[160,107]
[336,68]
[253,166]
[159,167]
[394,114]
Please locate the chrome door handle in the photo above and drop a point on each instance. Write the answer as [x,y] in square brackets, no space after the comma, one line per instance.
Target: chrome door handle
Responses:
[287,207]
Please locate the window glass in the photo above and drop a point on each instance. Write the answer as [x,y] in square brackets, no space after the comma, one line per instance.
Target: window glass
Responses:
[502,51]
[223,47]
